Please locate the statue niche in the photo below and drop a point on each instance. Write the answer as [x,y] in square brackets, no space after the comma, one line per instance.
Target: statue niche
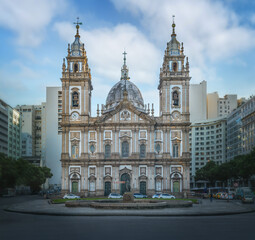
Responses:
[175,98]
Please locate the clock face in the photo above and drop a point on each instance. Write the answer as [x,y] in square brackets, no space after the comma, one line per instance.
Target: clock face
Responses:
[75,116]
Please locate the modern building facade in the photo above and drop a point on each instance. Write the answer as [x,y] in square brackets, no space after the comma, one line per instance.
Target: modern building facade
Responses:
[220,107]
[125,147]
[14,133]
[207,143]
[3,127]
[33,127]
[241,129]
[53,136]
[197,101]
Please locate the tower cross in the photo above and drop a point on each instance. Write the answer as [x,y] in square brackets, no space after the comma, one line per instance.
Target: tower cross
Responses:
[124,57]
[77,27]
[78,23]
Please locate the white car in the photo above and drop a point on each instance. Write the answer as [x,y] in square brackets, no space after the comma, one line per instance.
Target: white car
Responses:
[71,196]
[157,195]
[114,195]
[166,196]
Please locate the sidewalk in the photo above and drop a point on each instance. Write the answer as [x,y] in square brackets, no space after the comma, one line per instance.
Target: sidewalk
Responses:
[205,208]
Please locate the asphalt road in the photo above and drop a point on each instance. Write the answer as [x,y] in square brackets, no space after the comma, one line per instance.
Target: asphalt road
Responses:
[24,226]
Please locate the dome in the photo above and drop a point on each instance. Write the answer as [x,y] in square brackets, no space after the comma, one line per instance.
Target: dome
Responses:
[115,96]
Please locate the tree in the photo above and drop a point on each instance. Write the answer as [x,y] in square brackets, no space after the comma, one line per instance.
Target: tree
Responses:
[8,173]
[207,173]
[21,172]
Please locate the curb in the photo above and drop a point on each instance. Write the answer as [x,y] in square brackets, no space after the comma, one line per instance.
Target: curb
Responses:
[131,213]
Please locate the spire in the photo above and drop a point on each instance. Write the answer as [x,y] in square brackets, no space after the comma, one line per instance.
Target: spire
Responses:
[77,27]
[124,69]
[173,26]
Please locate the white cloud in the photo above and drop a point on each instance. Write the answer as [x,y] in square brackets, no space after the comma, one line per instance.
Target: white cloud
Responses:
[210,31]
[29,18]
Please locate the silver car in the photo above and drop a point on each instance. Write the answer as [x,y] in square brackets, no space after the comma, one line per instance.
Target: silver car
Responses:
[71,196]
[114,195]
[166,196]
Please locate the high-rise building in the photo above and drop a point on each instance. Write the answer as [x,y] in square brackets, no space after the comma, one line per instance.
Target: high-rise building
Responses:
[207,143]
[32,131]
[14,133]
[53,136]
[220,107]
[10,131]
[241,129]
[3,127]
[197,101]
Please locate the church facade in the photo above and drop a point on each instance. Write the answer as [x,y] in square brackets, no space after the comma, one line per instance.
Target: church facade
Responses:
[125,146]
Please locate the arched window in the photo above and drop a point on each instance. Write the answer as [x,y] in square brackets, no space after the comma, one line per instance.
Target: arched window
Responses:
[75,99]
[76,69]
[125,149]
[142,151]
[175,98]
[107,152]
[175,151]
[174,66]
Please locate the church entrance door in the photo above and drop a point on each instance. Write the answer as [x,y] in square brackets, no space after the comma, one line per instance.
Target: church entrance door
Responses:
[74,187]
[143,188]
[125,187]
[107,188]
[176,186]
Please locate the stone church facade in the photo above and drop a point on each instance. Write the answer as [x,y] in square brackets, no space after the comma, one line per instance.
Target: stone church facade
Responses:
[125,146]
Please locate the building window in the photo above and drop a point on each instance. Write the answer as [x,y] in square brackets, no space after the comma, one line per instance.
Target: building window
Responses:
[75,99]
[175,151]
[107,151]
[125,149]
[142,151]
[175,98]
[174,66]
[76,69]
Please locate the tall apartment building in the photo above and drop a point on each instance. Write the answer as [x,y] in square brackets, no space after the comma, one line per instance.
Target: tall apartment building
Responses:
[197,101]
[220,107]
[248,125]
[53,135]
[241,129]
[3,127]
[10,131]
[32,131]
[227,104]
[207,143]
[14,133]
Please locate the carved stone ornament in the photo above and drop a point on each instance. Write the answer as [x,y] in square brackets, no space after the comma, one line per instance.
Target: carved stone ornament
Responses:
[125,115]
[176,116]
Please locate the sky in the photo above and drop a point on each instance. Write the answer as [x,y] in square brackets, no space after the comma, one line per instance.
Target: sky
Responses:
[218,38]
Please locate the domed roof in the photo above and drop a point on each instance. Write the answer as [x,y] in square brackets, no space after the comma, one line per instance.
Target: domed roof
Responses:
[115,96]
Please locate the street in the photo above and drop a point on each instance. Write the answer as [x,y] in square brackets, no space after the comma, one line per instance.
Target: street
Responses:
[26,226]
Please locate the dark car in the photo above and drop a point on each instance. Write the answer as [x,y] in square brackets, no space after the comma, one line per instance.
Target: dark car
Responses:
[139,195]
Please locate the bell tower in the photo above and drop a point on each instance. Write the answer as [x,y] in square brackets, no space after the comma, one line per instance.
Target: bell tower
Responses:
[76,82]
[174,82]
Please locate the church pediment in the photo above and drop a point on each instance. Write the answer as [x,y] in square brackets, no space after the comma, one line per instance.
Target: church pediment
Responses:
[125,112]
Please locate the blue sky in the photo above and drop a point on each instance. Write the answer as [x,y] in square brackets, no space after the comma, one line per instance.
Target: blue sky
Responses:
[218,37]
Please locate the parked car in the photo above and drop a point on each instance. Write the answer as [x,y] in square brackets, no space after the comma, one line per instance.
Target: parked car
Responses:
[166,196]
[248,197]
[71,196]
[114,195]
[157,195]
[139,195]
